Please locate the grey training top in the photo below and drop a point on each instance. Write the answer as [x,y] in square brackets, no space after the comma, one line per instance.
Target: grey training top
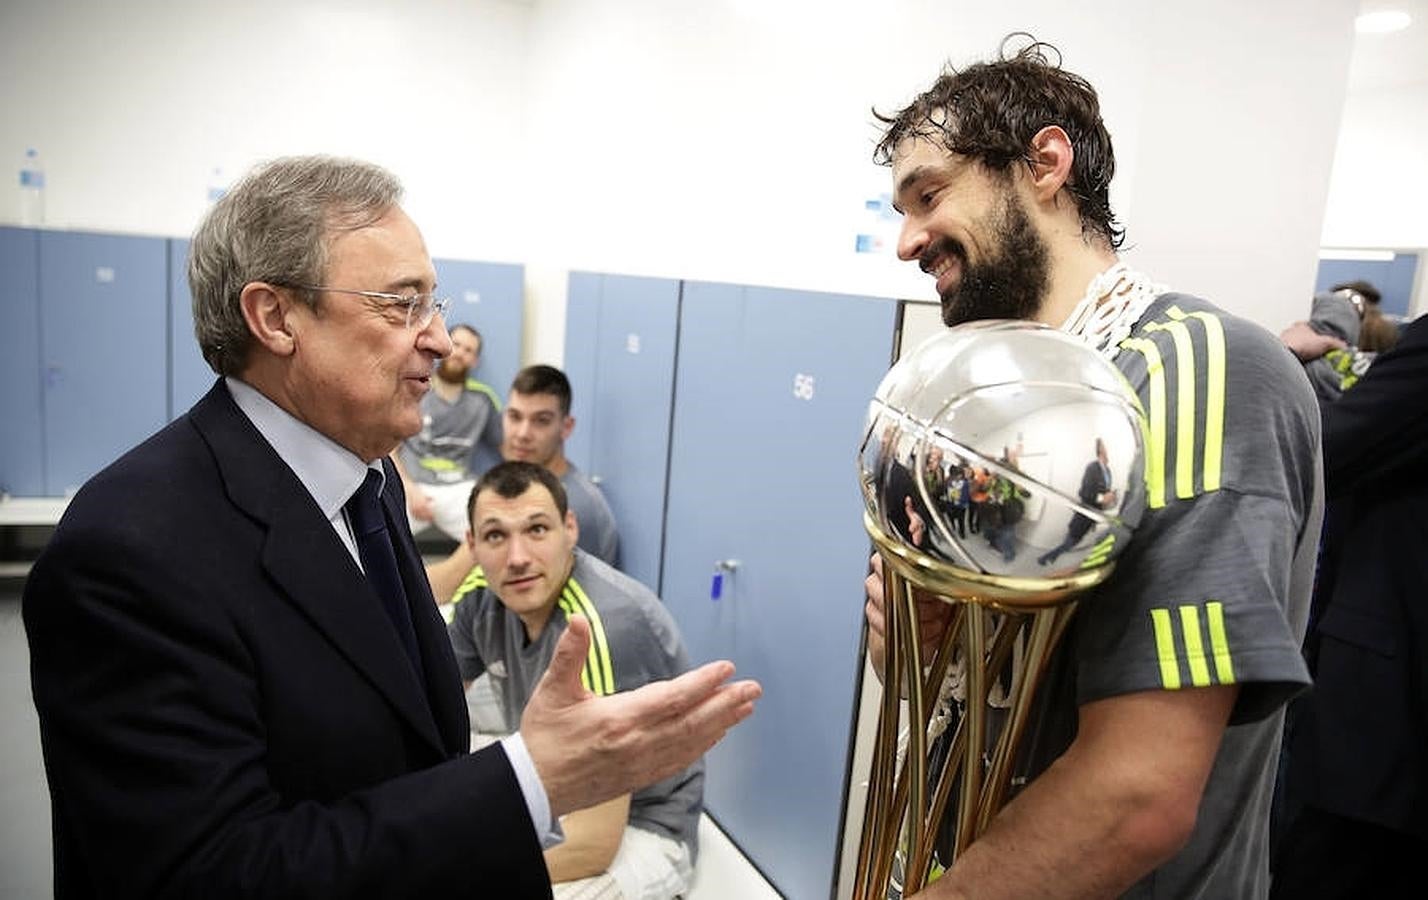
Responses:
[1334,372]
[597,523]
[1214,587]
[441,453]
[633,642]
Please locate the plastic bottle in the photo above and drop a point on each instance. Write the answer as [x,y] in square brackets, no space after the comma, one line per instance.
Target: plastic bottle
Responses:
[32,190]
[217,186]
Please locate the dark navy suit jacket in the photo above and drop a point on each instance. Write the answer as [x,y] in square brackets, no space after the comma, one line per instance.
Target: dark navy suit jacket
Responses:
[1360,739]
[226,711]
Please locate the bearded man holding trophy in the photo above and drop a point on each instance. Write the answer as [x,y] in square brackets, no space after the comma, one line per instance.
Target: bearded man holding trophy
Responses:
[1105,723]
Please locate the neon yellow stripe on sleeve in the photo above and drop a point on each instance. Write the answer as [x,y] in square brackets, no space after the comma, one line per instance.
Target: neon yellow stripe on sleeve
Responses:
[603,670]
[484,388]
[1184,406]
[1155,453]
[1099,553]
[476,578]
[1219,642]
[1194,646]
[1165,649]
[1215,364]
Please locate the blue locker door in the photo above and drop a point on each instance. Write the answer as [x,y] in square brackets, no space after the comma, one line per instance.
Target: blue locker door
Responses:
[771,393]
[22,448]
[1393,277]
[104,347]
[582,328]
[189,376]
[490,297]
[632,395]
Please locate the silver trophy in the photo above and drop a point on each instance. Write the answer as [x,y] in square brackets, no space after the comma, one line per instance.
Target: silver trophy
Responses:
[1001,471]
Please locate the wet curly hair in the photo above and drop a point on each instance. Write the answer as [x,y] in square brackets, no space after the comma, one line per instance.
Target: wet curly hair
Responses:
[991,111]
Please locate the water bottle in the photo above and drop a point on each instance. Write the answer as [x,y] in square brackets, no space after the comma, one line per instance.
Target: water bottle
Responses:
[217,185]
[32,190]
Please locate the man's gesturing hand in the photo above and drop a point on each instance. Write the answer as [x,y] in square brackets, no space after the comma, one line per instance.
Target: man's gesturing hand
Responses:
[589,749]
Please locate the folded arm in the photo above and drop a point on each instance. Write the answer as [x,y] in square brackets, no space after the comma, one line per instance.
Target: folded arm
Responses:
[1121,800]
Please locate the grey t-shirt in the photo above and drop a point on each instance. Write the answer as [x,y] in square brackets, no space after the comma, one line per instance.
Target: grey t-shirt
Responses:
[1214,587]
[634,641]
[1334,372]
[592,514]
[441,453]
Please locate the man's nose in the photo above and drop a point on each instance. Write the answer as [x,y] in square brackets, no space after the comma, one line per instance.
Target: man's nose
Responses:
[435,339]
[912,239]
[517,552]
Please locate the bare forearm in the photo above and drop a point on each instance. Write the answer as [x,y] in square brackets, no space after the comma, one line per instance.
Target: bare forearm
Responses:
[1119,802]
[446,576]
[1060,838]
[592,837]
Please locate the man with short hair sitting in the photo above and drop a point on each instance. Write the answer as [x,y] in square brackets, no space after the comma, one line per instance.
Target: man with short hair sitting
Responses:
[509,614]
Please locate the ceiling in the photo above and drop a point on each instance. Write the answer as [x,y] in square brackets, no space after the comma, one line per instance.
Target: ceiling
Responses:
[1391,60]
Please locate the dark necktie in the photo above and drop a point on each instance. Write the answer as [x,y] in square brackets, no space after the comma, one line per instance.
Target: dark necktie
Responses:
[379,560]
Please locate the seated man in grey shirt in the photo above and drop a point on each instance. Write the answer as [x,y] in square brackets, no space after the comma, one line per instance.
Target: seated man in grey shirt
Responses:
[459,417]
[509,613]
[536,423]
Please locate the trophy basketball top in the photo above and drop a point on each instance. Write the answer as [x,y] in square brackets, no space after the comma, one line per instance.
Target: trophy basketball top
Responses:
[1003,459]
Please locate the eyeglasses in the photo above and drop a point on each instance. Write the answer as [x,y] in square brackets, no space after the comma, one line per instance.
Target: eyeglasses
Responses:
[420,308]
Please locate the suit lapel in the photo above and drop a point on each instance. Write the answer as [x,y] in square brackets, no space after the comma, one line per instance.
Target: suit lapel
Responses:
[309,563]
[443,678]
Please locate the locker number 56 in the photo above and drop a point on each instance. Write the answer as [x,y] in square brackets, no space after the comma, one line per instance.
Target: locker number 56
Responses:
[803,386]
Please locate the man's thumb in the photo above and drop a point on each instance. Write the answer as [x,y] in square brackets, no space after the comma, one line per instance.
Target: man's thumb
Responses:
[569,658]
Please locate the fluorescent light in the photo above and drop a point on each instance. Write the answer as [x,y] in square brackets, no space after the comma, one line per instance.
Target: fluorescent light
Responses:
[1382,22]
[1348,253]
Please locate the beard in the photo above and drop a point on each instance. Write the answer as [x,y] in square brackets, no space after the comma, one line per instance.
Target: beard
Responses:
[1012,285]
[451,373]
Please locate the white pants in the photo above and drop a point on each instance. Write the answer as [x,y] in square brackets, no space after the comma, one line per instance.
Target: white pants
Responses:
[647,866]
[448,506]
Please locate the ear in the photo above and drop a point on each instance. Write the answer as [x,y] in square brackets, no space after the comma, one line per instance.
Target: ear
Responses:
[265,309]
[1050,156]
[470,540]
[572,526]
[567,427]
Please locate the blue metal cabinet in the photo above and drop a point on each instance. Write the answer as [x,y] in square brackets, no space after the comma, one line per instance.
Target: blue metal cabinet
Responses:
[620,342]
[189,376]
[1393,277]
[583,292]
[771,390]
[22,446]
[582,350]
[489,297]
[103,346]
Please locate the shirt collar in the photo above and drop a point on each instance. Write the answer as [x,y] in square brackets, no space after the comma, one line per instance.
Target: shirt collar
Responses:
[330,472]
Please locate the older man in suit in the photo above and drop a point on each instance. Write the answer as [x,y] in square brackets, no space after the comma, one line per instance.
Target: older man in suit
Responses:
[243,684]
[1095,493]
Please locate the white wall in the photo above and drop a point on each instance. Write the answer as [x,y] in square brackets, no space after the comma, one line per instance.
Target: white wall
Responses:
[1379,195]
[1228,199]
[132,105]
[732,140]
[714,139]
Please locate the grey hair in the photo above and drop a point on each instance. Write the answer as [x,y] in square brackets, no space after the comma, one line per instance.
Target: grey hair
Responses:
[274,226]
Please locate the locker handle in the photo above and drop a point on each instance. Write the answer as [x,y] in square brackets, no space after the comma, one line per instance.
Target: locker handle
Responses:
[721,567]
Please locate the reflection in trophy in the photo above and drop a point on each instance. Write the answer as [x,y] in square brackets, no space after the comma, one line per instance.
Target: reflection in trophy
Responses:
[1014,407]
